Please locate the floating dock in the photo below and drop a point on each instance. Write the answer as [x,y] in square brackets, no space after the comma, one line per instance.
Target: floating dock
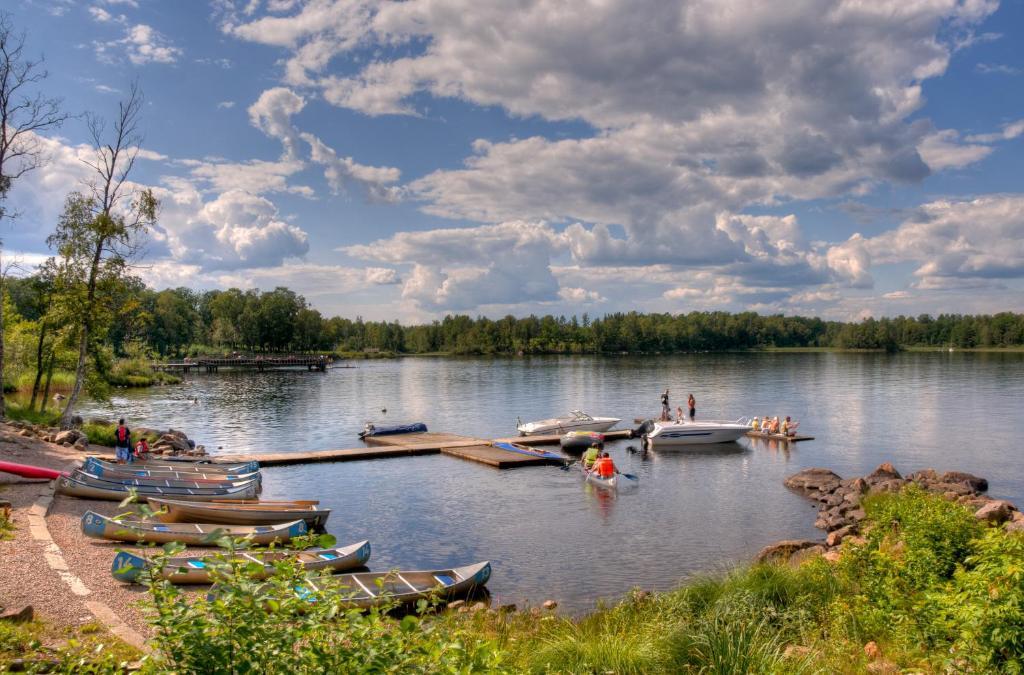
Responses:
[425,443]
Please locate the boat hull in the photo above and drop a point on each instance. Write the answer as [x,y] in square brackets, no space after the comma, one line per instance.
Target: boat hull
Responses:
[99,526]
[563,427]
[179,466]
[672,435]
[68,485]
[127,567]
[579,441]
[239,514]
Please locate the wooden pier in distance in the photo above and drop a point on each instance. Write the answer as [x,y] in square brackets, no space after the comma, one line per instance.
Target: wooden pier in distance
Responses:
[425,443]
[257,363]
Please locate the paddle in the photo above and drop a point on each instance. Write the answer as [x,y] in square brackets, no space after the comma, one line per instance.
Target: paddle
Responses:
[567,465]
[627,475]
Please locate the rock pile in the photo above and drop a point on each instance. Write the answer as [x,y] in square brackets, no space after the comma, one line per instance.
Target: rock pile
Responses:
[839,504]
[170,442]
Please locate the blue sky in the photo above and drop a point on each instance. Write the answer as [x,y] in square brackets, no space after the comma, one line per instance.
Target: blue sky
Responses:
[405,160]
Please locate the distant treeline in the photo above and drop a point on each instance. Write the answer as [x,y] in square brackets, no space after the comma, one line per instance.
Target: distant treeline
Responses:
[175,322]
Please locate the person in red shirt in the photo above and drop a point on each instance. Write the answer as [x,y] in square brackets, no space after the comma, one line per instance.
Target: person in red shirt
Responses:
[605,466]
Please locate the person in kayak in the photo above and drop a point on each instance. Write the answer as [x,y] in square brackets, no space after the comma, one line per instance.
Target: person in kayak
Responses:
[590,457]
[122,443]
[605,466]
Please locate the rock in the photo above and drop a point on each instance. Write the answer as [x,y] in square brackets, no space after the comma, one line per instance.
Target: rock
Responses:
[976,484]
[478,607]
[456,604]
[832,556]
[16,666]
[836,537]
[857,541]
[884,471]
[82,444]
[883,668]
[852,498]
[803,555]
[872,651]
[68,436]
[549,604]
[808,480]
[1016,523]
[821,523]
[958,489]
[22,615]
[893,485]
[996,512]
[923,476]
[835,499]
[781,551]
[25,432]
[857,515]
[509,608]
[796,652]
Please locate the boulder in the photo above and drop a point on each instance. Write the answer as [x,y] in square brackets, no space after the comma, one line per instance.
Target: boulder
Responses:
[809,480]
[455,604]
[835,537]
[923,476]
[976,484]
[803,555]
[82,444]
[883,472]
[883,667]
[549,604]
[781,551]
[22,615]
[893,485]
[1016,523]
[68,436]
[857,515]
[957,489]
[997,512]
[832,556]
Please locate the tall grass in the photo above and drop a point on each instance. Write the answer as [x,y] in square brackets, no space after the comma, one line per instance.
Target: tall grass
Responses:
[17,409]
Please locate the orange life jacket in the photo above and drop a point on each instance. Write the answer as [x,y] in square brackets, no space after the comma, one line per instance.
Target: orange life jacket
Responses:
[605,467]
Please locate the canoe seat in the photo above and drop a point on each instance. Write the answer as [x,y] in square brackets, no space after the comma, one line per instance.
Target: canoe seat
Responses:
[329,556]
[161,528]
[197,564]
[444,579]
[262,528]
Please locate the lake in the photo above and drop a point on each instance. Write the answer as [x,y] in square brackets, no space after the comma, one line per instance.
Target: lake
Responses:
[548,534]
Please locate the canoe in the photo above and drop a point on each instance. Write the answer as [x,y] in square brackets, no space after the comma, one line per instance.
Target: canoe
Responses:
[27,471]
[392,429]
[68,485]
[527,450]
[594,479]
[579,441]
[101,468]
[192,570]
[192,534]
[366,589]
[144,481]
[200,488]
[166,465]
[242,513]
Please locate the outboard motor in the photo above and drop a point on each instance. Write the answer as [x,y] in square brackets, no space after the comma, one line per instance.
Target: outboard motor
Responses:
[646,427]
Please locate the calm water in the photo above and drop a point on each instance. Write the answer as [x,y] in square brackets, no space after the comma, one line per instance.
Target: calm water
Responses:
[547,533]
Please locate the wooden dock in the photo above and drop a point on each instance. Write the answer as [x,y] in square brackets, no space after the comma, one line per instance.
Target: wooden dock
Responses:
[425,443]
[778,437]
[257,363]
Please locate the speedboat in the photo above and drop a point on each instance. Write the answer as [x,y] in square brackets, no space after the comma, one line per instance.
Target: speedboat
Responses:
[695,433]
[574,421]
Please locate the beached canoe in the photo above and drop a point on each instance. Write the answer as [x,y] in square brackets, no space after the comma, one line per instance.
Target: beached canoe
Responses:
[527,450]
[366,589]
[103,469]
[143,481]
[192,534]
[595,480]
[166,465]
[241,513]
[27,471]
[191,570]
[71,486]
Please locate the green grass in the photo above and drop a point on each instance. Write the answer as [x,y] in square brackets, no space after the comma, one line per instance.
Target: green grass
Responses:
[62,381]
[137,373]
[45,648]
[103,434]
[17,409]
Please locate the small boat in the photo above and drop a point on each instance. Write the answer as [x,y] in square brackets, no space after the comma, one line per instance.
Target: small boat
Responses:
[192,570]
[366,589]
[594,479]
[694,433]
[160,481]
[574,421]
[579,441]
[101,468]
[27,471]
[372,429]
[98,489]
[192,534]
[527,450]
[167,465]
[241,512]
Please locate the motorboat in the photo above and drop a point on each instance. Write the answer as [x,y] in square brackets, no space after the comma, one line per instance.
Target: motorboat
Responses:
[694,433]
[576,420]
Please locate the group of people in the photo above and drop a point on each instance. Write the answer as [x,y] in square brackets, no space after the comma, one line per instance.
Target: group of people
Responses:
[771,425]
[666,409]
[124,453]
[596,461]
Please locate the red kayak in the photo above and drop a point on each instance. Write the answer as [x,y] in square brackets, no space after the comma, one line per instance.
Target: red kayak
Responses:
[26,471]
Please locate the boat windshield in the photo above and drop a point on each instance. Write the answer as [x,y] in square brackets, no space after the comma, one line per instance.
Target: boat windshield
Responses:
[580,415]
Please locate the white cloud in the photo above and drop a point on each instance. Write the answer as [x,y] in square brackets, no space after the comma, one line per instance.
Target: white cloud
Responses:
[225,105]
[1009,131]
[103,16]
[141,45]
[943,150]
[578,296]
[998,69]
[382,276]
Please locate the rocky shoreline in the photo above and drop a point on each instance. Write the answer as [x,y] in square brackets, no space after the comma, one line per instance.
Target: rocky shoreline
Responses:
[840,513]
[171,442]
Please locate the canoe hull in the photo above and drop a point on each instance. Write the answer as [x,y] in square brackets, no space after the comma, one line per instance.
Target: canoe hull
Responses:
[144,531]
[27,471]
[67,485]
[595,480]
[166,465]
[241,514]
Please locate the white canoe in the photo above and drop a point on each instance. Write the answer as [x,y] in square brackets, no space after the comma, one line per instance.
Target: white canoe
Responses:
[99,526]
[605,483]
[240,512]
[73,487]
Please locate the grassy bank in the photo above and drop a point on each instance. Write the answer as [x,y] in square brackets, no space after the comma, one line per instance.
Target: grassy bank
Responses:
[41,648]
[931,587]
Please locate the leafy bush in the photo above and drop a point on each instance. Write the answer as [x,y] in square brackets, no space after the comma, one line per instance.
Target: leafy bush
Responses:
[136,372]
[103,434]
[283,625]
[17,410]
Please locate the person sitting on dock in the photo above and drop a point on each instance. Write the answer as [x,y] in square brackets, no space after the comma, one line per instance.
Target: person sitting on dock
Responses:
[789,427]
[590,457]
[605,466]
[775,426]
[755,424]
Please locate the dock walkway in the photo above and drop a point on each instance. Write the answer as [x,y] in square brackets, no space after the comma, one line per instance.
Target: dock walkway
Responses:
[425,443]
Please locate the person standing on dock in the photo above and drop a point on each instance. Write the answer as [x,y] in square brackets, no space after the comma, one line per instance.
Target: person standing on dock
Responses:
[122,443]
[691,403]
[666,409]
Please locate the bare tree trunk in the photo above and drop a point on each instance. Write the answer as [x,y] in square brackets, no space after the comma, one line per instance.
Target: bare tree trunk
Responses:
[46,389]
[83,338]
[39,365]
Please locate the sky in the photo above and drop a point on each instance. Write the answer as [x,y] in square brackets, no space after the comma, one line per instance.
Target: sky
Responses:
[405,160]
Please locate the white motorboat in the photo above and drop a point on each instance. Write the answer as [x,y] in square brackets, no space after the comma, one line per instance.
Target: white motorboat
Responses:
[574,421]
[696,433]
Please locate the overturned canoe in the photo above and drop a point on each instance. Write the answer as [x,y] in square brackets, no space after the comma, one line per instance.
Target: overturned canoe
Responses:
[97,489]
[240,513]
[167,465]
[192,534]
[144,481]
[190,570]
[106,469]
[366,589]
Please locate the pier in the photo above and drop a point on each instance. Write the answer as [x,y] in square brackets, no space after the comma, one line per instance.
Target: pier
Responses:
[257,363]
[425,443]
